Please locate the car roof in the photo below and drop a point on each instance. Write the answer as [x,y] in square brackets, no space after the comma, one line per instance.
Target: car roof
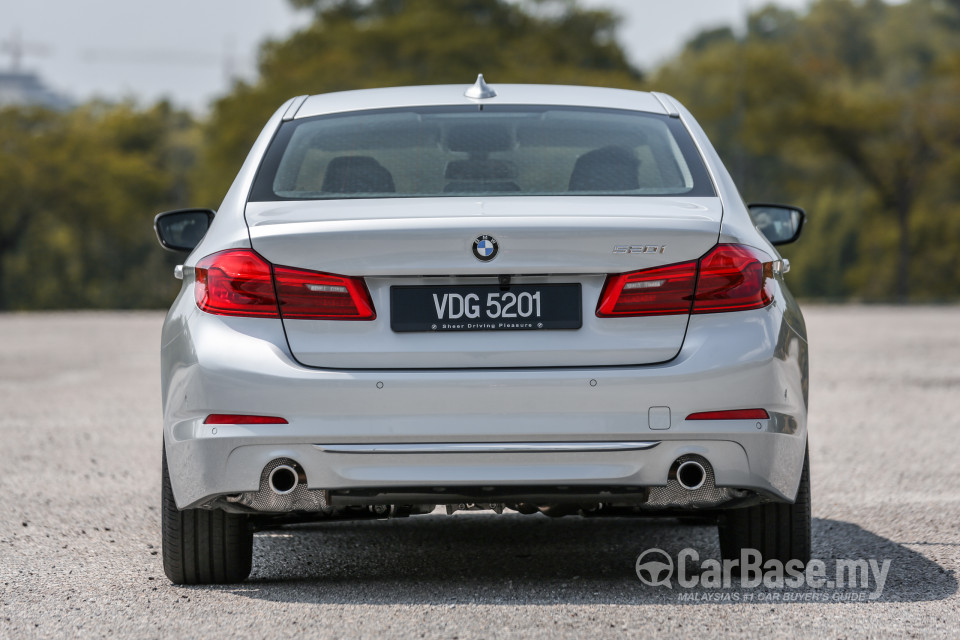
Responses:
[453,94]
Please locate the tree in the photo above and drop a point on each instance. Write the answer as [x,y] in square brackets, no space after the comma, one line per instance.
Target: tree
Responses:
[17,144]
[80,189]
[841,107]
[353,45]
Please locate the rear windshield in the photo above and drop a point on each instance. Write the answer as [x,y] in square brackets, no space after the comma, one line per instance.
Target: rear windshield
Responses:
[499,150]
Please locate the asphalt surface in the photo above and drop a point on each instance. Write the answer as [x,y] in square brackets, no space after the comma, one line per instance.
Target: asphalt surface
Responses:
[80,487]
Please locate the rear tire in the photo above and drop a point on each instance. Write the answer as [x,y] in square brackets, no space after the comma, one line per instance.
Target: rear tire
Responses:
[778,531]
[203,546]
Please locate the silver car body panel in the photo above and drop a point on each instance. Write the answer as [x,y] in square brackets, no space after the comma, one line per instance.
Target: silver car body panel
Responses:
[487,447]
[373,345]
[521,94]
[381,240]
[217,364]
[551,234]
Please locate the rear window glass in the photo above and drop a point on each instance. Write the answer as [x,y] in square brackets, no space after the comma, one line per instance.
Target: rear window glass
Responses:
[499,150]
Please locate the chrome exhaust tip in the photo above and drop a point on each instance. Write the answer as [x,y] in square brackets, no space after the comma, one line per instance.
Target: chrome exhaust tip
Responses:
[691,475]
[283,479]
[284,488]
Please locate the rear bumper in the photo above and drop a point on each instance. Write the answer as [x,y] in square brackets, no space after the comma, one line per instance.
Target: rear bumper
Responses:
[214,364]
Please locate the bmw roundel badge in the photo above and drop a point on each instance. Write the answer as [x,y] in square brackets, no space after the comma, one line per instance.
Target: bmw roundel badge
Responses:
[485,248]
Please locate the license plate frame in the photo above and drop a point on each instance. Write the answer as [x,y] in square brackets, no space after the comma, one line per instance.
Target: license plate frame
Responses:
[447,308]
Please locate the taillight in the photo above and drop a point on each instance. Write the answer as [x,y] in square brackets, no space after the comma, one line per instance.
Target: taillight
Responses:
[322,296]
[730,277]
[240,283]
[652,292]
[733,278]
[235,283]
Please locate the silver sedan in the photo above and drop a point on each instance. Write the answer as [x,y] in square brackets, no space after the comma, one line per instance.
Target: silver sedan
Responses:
[545,299]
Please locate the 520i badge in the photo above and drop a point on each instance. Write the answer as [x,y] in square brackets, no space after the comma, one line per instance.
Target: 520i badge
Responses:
[485,248]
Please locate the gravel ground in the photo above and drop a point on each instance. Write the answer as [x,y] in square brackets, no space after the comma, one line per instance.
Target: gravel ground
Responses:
[80,488]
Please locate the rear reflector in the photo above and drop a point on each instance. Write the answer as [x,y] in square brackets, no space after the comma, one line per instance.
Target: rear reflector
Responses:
[652,292]
[230,418]
[235,283]
[322,296]
[735,414]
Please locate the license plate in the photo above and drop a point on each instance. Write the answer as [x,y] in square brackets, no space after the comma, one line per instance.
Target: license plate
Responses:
[524,307]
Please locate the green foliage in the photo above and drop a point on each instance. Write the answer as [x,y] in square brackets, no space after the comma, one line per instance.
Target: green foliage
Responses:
[850,109]
[850,114]
[79,190]
[355,45]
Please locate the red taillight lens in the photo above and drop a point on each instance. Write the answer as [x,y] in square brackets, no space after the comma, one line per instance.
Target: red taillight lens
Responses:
[241,283]
[730,277]
[322,296]
[652,292]
[733,278]
[232,418]
[734,414]
[235,283]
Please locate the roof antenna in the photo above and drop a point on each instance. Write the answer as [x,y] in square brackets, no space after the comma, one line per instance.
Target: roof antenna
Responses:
[480,89]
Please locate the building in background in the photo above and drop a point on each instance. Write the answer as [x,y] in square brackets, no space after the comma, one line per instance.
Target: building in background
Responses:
[25,88]
[22,88]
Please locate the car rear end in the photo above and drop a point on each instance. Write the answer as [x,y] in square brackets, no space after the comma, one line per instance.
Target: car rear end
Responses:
[549,300]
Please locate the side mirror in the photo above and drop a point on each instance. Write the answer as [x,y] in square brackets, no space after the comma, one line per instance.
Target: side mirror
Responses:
[183,229]
[780,223]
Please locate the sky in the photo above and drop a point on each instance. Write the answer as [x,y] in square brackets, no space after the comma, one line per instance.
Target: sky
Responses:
[189,50]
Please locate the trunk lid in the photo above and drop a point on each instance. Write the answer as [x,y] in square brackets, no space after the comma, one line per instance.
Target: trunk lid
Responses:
[398,243]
